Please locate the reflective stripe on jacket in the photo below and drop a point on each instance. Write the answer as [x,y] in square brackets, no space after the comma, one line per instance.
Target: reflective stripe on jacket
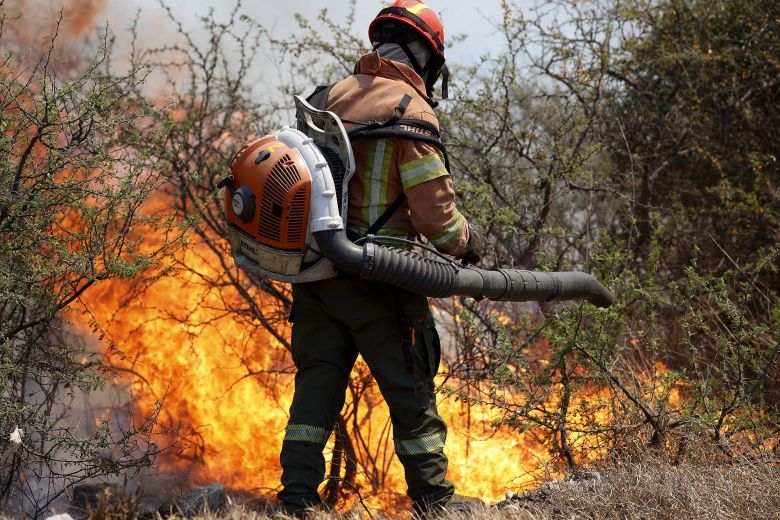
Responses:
[388,167]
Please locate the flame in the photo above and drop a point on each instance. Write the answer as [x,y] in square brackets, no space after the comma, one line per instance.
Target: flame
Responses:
[182,350]
[226,385]
[177,345]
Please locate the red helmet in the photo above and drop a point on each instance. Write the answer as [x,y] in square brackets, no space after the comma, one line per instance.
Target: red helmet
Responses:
[418,16]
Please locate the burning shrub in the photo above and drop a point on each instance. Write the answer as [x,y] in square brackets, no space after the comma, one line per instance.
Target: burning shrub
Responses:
[548,145]
[73,214]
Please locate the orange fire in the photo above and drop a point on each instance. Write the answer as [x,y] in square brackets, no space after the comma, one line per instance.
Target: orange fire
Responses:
[177,344]
[226,385]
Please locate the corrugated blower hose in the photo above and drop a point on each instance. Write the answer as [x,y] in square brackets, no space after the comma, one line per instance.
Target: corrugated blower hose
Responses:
[286,204]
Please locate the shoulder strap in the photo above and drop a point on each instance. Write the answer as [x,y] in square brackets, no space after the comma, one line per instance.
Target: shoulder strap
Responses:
[430,135]
[399,111]
[393,127]
[385,216]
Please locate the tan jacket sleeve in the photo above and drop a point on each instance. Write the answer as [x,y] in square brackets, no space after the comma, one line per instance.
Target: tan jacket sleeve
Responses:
[430,196]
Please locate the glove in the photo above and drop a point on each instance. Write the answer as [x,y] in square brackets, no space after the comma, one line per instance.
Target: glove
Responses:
[473,252]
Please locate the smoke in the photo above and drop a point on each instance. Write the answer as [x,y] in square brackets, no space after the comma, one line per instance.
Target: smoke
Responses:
[37,19]
[29,27]
[81,15]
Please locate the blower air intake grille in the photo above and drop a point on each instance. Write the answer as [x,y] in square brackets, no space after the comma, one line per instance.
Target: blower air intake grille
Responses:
[296,226]
[283,206]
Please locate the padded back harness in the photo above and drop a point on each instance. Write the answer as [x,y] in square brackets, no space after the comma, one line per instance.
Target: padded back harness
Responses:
[394,127]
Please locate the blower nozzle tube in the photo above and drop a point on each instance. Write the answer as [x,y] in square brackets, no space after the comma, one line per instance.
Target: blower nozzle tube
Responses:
[429,277]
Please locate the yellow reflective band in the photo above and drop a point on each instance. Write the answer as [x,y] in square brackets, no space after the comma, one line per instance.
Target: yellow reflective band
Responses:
[417,8]
[421,170]
[306,433]
[377,172]
[451,231]
[428,444]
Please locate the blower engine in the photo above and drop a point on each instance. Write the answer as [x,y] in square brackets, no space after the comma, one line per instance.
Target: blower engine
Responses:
[286,202]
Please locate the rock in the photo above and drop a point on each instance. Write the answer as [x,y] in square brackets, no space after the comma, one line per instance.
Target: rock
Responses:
[472,503]
[61,516]
[512,499]
[86,496]
[190,505]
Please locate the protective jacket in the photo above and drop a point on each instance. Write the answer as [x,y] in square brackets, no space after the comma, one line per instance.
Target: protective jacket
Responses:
[395,165]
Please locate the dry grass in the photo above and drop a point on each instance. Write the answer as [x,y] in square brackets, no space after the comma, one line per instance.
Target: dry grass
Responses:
[630,491]
[647,491]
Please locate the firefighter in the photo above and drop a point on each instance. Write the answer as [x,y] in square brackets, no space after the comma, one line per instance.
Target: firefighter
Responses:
[401,188]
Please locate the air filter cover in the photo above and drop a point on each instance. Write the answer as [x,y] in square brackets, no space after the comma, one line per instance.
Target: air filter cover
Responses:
[281,190]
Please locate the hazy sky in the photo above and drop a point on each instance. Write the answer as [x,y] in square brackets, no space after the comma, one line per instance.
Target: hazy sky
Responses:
[473,19]
[468,17]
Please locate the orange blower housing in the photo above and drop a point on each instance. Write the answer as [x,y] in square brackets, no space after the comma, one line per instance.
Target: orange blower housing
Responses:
[267,204]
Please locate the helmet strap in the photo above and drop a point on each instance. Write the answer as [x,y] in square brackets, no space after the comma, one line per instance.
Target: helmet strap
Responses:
[433,70]
[445,79]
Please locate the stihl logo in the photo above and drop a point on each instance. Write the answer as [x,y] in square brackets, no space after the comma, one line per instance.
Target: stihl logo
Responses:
[247,247]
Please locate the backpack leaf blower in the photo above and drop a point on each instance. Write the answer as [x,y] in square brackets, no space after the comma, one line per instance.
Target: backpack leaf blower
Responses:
[286,203]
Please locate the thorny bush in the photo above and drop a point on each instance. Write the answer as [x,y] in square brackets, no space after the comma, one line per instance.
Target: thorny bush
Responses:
[75,195]
[599,137]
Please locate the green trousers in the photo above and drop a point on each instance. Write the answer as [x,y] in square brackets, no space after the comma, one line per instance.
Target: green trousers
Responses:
[334,320]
